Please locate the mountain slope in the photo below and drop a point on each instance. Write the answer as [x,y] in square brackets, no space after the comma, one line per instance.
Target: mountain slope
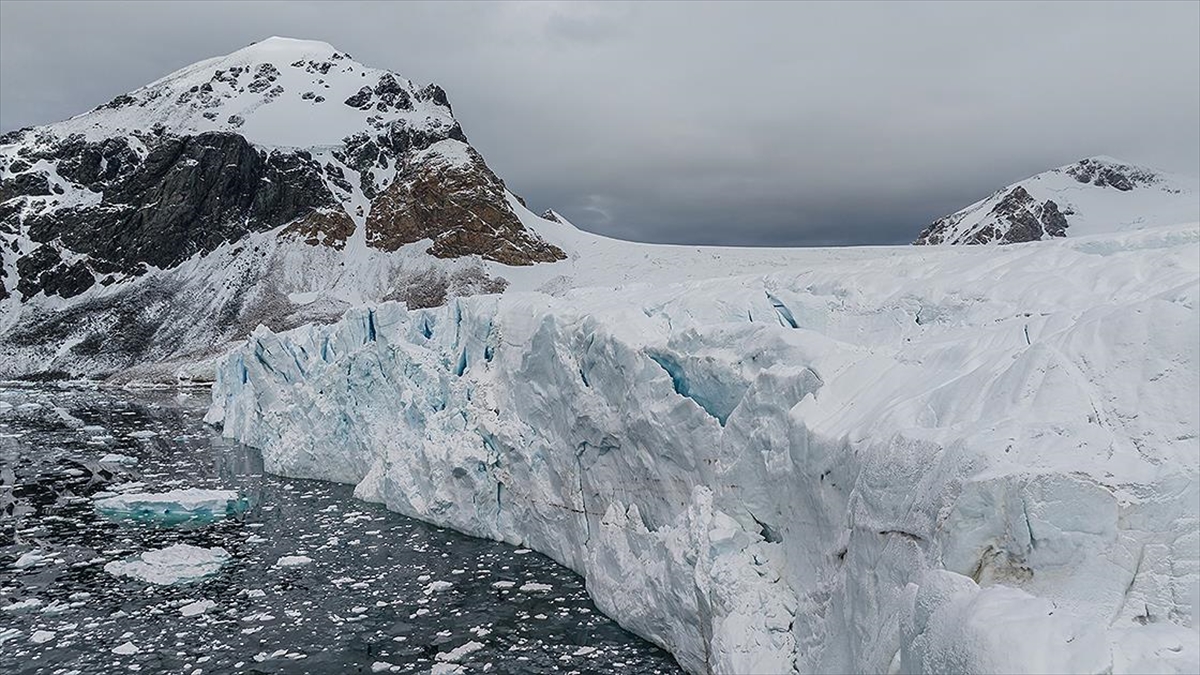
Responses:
[1092,196]
[173,219]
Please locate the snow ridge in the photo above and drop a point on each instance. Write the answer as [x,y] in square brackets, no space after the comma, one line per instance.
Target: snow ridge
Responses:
[277,93]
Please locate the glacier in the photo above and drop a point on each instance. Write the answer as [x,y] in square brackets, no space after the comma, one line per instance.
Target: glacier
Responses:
[902,460]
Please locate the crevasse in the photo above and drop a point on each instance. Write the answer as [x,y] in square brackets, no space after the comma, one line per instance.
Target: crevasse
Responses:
[1007,485]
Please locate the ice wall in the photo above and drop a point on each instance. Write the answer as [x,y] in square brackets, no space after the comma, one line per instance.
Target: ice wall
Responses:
[971,460]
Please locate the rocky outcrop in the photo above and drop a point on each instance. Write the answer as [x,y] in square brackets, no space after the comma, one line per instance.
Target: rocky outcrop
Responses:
[188,195]
[1018,217]
[1106,174]
[326,227]
[449,195]
[1097,194]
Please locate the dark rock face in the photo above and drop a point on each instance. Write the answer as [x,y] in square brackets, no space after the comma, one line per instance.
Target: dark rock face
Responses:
[1053,220]
[33,183]
[190,195]
[435,94]
[462,208]
[392,94]
[388,95]
[44,270]
[361,100]
[1017,217]
[1117,176]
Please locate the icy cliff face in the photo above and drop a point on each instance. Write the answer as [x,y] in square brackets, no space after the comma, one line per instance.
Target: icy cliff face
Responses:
[1092,196]
[915,460]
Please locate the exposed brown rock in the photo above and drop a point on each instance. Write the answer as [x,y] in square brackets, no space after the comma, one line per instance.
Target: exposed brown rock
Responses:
[324,227]
[460,206]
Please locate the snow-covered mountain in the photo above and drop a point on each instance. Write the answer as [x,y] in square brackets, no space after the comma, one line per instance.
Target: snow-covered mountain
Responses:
[279,184]
[1092,196]
[914,459]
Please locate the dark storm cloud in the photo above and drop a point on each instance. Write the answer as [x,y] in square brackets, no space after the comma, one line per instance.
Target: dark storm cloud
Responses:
[704,123]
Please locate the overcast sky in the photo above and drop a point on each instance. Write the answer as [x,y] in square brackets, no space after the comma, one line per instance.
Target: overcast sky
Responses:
[740,123]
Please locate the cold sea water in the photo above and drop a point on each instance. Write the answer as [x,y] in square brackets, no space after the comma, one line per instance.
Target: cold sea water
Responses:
[315,581]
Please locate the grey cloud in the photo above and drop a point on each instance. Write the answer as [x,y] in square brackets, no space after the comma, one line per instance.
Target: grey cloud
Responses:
[741,123]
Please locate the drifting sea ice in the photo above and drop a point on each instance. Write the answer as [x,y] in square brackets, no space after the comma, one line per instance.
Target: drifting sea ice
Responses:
[178,564]
[173,507]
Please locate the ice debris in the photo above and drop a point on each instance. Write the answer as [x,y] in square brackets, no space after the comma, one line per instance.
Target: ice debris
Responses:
[197,607]
[178,564]
[174,507]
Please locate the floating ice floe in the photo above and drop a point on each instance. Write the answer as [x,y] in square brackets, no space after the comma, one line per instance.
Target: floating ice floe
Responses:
[196,608]
[126,649]
[42,636]
[459,653]
[172,507]
[30,559]
[29,603]
[293,561]
[114,458]
[178,564]
[438,586]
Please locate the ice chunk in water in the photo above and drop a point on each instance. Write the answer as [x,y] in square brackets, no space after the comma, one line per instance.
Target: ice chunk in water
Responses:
[172,507]
[114,458]
[196,608]
[176,564]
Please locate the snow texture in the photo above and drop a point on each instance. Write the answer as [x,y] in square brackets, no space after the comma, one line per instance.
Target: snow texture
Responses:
[908,459]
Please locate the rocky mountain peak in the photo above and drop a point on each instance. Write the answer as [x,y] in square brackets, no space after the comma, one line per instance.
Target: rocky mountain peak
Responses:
[279,92]
[286,141]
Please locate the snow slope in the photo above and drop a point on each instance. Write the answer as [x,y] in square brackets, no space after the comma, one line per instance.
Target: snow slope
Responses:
[899,459]
[1092,196]
[280,112]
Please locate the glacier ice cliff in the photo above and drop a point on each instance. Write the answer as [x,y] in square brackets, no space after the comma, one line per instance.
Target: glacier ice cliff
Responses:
[970,460]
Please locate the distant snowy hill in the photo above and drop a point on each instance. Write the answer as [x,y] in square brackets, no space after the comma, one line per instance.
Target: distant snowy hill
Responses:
[1092,196]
